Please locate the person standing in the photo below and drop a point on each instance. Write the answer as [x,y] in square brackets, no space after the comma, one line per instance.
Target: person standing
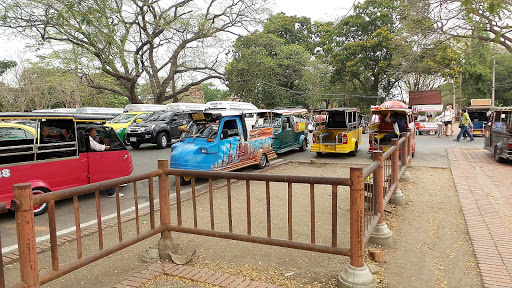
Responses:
[448,115]
[465,122]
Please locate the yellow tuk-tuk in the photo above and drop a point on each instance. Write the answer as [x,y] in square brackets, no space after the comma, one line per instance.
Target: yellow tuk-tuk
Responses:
[340,133]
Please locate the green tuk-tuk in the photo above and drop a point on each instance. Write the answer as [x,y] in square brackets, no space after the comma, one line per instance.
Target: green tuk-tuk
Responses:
[289,128]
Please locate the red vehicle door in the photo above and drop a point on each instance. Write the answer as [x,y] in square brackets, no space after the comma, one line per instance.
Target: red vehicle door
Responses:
[109,164]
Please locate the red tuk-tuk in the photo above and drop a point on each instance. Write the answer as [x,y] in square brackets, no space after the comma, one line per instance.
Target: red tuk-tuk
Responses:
[379,128]
[55,155]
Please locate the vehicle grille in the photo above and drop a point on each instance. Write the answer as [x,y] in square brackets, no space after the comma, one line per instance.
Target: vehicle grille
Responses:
[135,129]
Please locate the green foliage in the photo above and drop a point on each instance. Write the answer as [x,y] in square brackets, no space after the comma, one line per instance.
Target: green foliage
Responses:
[265,70]
[213,94]
[6,65]
[292,29]
[363,47]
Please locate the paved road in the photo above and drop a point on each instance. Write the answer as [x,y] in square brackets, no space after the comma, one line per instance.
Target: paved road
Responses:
[430,151]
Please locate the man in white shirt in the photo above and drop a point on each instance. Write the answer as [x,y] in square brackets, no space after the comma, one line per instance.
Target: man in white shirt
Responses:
[95,146]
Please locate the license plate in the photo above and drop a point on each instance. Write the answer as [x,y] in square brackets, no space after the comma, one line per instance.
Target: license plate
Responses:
[133,139]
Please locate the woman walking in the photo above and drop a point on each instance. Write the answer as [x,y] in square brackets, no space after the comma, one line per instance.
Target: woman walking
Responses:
[447,117]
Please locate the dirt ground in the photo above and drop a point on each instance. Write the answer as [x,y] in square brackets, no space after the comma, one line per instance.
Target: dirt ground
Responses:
[430,247]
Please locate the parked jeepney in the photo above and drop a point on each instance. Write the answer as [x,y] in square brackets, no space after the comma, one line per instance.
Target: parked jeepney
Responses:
[221,140]
[379,127]
[56,154]
[498,133]
[340,133]
[426,118]
[289,128]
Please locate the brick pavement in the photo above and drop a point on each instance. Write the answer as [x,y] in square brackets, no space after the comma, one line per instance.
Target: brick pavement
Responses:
[192,277]
[485,192]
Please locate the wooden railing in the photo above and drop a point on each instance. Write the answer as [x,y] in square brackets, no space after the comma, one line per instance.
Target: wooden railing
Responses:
[370,190]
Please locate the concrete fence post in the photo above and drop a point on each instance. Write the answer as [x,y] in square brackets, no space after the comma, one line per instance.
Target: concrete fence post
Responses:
[381,234]
[357,273]
[165,244]
[25,228]
[404,148]
[397,198]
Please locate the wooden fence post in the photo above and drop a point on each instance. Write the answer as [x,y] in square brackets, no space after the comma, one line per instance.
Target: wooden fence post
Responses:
[405,150]
[356,274]
[26,231]
[165,244]
[381,234]
[397,198]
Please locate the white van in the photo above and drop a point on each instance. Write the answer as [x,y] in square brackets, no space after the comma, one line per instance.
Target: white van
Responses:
[143,107]
[99,110]
[186,106]
[231,105]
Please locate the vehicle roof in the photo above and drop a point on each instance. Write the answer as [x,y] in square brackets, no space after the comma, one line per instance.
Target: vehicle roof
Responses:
[291,111]
[223,112]
[46,115]
[482,107]
[339,109]
[230,105]
[509,108]
[14,125]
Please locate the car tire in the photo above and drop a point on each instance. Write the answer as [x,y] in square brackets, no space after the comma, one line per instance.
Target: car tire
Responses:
[262,162]
[496,155]
[318,153]
[41,209]
[161,140]
[135,145]
[304,146]
[354,153]
[185,181]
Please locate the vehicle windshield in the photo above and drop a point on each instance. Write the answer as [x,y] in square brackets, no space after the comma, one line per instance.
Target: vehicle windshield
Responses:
[265,122]
[123,118]
[202,129]
[159,116]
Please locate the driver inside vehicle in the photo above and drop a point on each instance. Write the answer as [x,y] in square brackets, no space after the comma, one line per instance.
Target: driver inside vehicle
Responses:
[94,141]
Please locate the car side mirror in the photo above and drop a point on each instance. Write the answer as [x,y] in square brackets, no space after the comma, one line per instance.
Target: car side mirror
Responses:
[225,133]
[138,120]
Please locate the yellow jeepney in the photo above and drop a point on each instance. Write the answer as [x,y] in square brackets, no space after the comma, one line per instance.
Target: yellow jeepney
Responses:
[340,133]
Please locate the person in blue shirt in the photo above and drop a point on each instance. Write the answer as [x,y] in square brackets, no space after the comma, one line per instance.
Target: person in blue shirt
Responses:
[394,119]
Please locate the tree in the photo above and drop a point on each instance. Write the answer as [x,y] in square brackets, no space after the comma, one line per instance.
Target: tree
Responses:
[6,65]
[211,93]
[468,19]
[292,29]
[363,47]
[265,70]
[173,43]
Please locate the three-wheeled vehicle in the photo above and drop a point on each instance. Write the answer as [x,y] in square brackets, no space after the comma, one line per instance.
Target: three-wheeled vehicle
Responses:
[55,155]
[289,128]
[426,118]
[221,140]
[340,133]
[478,116]
[379,128]
[498,133]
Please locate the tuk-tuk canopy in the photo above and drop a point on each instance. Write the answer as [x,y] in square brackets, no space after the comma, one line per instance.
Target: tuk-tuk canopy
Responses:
[509,108]
[391,105]
[340,109]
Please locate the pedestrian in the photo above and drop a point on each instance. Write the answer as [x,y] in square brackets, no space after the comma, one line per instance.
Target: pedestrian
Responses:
[395,120]
[448,115]
[465,122]
[95,146]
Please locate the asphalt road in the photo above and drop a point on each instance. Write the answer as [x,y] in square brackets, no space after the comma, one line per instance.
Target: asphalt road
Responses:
[430,151]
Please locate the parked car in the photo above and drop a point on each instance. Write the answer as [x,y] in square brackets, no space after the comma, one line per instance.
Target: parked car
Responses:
[122,121]
[498,133]
[159,128]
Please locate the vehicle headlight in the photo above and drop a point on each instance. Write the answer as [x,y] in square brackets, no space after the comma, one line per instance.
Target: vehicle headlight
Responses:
[204,150]
[119,130]
[149,127]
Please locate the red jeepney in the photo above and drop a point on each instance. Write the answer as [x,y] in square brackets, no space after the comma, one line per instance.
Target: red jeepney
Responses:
[56,154]
[379,128]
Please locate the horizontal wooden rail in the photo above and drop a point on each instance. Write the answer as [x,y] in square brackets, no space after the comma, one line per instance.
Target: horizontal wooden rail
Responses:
[260,177]
[90,188]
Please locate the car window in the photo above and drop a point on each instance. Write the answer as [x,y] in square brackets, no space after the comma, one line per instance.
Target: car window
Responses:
[12,133]
[160,116]
[107,136]
[143,116]
[123,118]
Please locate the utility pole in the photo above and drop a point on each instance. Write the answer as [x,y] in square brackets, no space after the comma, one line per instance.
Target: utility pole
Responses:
[453,86]
[493,79]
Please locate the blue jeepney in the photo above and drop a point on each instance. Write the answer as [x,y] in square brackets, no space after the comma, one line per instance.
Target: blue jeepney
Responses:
[221,140]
